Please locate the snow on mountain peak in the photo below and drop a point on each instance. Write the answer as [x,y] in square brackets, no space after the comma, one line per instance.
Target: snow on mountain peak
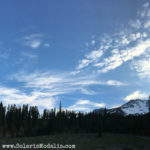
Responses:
[134,107]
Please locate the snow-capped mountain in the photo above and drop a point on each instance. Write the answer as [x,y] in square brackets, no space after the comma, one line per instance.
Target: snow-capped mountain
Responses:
[133,107]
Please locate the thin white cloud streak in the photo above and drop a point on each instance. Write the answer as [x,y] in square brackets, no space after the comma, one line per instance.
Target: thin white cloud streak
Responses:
[96,82]
[46,45]
[90,58]
[29,55]
[96,54]
[136,95]
[84,63]
[85,105]
[65,83]
[4,53]
[115,106]
[34,44]
[34,41]
[115,83]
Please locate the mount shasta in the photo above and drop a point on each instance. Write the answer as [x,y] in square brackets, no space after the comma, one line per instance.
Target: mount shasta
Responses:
[133,107]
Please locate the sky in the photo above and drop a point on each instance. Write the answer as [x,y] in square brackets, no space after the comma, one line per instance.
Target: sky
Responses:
[87,54]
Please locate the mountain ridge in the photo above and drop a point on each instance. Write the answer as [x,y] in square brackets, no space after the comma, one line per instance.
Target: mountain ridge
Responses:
[132,107]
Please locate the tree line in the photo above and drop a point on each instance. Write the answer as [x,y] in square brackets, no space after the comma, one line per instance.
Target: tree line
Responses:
[27,121]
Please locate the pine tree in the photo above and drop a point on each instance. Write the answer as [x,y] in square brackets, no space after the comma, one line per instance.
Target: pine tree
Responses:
[2,119]
[99,126]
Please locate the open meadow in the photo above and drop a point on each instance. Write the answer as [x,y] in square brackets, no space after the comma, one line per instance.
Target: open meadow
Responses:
[108,141]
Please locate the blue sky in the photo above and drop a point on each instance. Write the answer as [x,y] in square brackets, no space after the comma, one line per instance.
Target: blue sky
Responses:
[87,54]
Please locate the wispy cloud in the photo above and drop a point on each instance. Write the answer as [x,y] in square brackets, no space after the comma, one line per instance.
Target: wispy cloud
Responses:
[145,10]
[135,24]
[142,67]
[4,53]
[92,57]
[146,4]
[96,54]
[46,45]
[85,105]
[29,55]
[115,83]
[62,83]
[93,42]
[45,88]
[34,41]
[130,44]
[147,24]
[124,46]
[15,96]
[118,58]
[136,95]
